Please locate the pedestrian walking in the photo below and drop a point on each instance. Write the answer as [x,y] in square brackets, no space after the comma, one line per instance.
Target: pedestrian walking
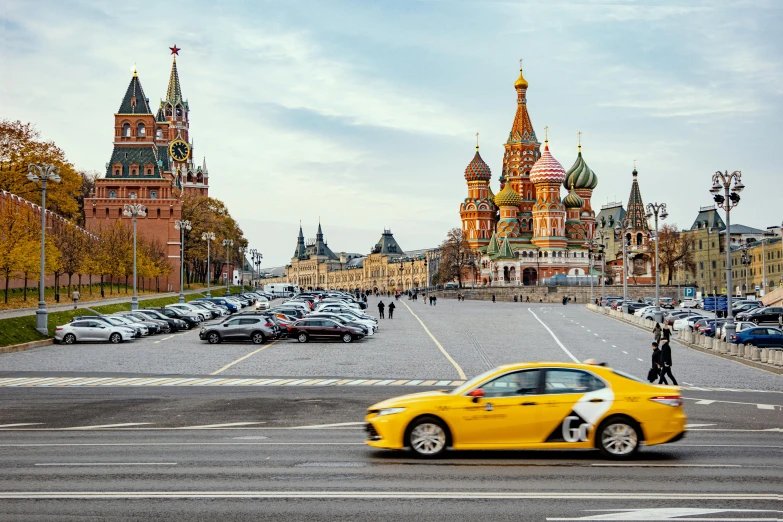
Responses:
[657,332]
[666,333]
[430,300]
[434,300]
[655,368]
[391,310]
[381,306]
[75,296]
[493,298]
[527,299]
[666,363]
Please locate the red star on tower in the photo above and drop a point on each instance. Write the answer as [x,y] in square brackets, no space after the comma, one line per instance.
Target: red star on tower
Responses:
[175,50]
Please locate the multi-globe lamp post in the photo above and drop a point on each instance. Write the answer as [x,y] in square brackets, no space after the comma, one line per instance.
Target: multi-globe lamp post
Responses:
[182,226]
[592,248]
[134,210]
[228,243]
[657,211]
[602,236]
[253,253]
[209,237]
[44,173]
[242,251]
[725,191]
[624,227]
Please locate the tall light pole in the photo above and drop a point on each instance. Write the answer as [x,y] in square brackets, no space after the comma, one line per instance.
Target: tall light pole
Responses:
[592,247]
[678,266]
[253,253]
[657,211]
[242,251]
[624,227]
[209,237]
[603,235]
[259,257]
[228,243]
[44,173]
[182,226]
[134,210]
[745,262]
[731,185]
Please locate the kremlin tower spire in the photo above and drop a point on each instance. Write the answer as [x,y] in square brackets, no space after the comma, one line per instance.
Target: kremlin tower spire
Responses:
[478,210]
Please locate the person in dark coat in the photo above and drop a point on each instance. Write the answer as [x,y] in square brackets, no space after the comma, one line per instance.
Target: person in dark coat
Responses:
[493,298]
[391,310]
[666,333]
[666,363]
[657,333]
[655,368]
[434,300]
[381,306]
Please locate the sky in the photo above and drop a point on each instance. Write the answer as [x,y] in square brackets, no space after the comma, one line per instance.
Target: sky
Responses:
[364,114]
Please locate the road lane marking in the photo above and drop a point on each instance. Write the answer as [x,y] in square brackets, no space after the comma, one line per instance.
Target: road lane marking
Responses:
[102,426]
[626,353]
[659,465]
[554,336]
[690,426]
[334,425]
[765,406]
[111,444]
[639,360]
[212,426]
[440,346]
[30,381]
[229,365]
[20,424]
[107,464]
[393,495]
[704,402]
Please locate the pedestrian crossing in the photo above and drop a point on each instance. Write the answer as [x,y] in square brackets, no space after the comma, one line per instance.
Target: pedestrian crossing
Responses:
[67,382]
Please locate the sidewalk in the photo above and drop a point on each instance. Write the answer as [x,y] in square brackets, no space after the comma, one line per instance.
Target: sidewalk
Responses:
[21,312]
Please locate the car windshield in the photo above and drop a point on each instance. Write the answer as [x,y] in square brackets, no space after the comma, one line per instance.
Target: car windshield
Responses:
[115,321]
[459,390]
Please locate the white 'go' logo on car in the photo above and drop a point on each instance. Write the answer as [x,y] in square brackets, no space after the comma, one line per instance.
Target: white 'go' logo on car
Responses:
[578,434]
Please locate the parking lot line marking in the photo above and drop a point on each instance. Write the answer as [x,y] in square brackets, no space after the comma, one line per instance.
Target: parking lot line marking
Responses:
[20,424]
[384,383]
[280,383]
[765,406]
[62,380]
[264,382]
[371,382]
[296,382]
[328,382]
[7,380]
[355,382]
[704,402]
[414,383]
[169,382]
[342,382]
[457,383]
[229,365]
[639,360]
[38,380]
[440,346]
[167,338]
[626,353]
[149,381]
[427,383]
[311,382]
[233,382]
[101,426]
[554,336]
[398,383]
[212,426]
[90,381]
[107,464]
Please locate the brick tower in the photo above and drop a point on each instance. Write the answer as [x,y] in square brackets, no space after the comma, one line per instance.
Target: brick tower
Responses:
[478,210]
[549,213]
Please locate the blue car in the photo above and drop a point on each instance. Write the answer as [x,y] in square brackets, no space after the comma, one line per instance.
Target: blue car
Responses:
[232,308]
[761,336]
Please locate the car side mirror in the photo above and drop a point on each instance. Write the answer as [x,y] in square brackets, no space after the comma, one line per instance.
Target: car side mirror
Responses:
[225,325]
[476,394]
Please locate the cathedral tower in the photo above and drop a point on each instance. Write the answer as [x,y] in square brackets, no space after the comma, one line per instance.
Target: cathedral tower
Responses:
[477,211]
[548,212]
[583,180]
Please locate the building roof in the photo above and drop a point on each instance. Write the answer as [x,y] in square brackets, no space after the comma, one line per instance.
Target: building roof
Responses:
[387,245]
[174,92]
[522,128]
[742,229]
[580,176]
[134,101]
[477,169]
[708,217]
[508,197]
[572,199]
[140,155]
[547,169]
[610,215]
[505,251]
[636,213]
[492,247]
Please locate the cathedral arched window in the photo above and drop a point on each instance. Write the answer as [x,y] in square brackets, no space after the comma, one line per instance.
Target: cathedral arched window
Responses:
[126,131]
[141,130]
[168,110]
[179,112]
[112,194]
[153,194]
[116,172]
[639,239]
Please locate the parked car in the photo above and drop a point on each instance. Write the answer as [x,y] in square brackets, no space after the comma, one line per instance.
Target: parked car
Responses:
[739,326]
[745,307]
[711,327]
[85,330]
[135,332]
[686,322]
[760,336]
[689,303]
[450,286]
[667,303]
[145,328]
[290,311]
[191,319]
[232,307]
[162,326]
[769,314]
[175,323]
[188,308]
[257,329]
[368,329]
[323,329]
[639,311]
[212,313]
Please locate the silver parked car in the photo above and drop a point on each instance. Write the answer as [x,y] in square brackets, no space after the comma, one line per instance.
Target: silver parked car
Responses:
[255,328]
[82,330]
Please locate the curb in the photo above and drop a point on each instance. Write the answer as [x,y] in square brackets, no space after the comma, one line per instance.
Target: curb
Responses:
[753,364]
[26,346]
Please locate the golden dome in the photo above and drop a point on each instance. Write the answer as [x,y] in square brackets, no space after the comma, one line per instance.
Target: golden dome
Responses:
[521,82]
[508,197]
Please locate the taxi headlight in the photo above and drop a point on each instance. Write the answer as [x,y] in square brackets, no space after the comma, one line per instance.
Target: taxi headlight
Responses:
[390,411]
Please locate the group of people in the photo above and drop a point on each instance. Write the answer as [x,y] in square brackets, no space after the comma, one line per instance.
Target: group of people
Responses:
[382,307]
[661,355]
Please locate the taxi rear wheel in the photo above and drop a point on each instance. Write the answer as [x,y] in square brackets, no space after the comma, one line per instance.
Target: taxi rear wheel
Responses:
[427,436]
[618,438]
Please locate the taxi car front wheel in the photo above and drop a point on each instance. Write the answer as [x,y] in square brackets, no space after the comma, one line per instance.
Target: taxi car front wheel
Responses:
[618,438]
[427,436]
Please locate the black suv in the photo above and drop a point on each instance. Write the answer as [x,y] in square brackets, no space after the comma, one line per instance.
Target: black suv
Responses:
[190,320]
[769,314]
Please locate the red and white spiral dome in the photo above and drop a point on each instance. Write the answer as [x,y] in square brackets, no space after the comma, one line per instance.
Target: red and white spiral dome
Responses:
[547,169]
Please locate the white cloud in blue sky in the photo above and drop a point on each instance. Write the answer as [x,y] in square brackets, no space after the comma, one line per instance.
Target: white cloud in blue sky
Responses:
[365,113]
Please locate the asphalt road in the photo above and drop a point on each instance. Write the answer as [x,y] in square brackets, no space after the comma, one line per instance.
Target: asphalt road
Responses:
[170,428]
[293,462]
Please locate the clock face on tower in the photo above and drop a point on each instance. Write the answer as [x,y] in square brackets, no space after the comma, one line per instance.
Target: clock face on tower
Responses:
[179,150]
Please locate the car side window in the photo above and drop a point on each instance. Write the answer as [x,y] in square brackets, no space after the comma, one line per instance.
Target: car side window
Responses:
[233,322]
[571,381]
[80,324]
[248,321]
[512,384]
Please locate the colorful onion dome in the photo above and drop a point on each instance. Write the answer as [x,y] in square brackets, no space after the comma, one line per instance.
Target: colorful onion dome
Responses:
[572,199]
[547,169]
[477,170]
[508,197]
[521,82]
[580,175]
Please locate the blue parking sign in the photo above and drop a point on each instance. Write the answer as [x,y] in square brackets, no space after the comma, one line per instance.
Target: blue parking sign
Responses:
[689,292]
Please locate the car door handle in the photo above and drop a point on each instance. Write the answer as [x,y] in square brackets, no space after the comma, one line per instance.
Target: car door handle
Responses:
[596,400]
[529,403]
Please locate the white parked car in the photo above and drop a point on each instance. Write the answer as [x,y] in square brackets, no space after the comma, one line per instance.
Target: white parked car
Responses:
[641,311]
[738,327]
[689,303]
[84,330]
[687,322]
[195,310]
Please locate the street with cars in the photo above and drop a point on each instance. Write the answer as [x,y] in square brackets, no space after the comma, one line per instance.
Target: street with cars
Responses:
[170,425]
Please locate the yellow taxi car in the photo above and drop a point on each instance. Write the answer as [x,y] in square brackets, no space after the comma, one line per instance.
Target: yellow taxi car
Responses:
[533,406]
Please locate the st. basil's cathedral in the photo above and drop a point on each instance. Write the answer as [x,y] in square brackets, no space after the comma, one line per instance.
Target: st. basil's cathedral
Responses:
[527,232]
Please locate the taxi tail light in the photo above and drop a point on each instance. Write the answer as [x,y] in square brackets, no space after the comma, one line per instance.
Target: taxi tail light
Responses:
[668,400]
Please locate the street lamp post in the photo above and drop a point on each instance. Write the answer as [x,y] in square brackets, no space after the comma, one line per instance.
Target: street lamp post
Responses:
[182,226]
[412,263]
[678,266]
[603,235]
[731,185]
[400,282]
[242,251]
[134,210]
[745,262]
[253,253]
[657,211]
[228,243]
[624,227]
[209,237]
[43,173]
[592,247]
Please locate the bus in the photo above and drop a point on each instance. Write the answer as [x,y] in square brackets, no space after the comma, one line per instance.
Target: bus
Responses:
[281,289]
